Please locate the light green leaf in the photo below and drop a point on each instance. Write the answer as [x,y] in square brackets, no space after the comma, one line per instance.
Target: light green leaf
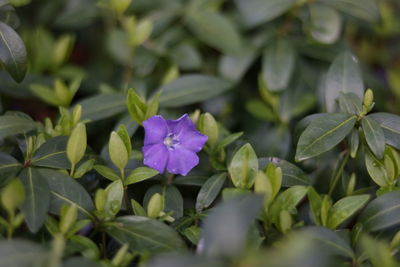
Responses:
[76,145]
[115,194]
[323,134]
[243,167]
[140,174]
[117,150]
[106,172]
[345,208]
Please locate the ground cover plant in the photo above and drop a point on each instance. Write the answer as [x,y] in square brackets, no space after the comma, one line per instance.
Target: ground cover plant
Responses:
[199,133]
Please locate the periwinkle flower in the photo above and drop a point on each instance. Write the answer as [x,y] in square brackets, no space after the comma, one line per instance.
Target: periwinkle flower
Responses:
[172,144]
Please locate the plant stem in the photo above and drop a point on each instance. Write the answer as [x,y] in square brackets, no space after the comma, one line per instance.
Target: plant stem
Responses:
[126,197]
[71,173]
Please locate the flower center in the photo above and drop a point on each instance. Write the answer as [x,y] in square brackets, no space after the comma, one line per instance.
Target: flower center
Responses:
[171,141]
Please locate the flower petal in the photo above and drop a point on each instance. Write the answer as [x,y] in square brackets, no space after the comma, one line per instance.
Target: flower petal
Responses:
[155,156]
[156,129]
[181,160]
[187,134]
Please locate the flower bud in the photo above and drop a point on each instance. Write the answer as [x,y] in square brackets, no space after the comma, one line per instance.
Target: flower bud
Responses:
[368,99]
[155,206]
[209,127]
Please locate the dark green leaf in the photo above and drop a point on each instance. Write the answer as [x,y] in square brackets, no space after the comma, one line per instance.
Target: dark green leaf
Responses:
[209,191]
[350,103]
[215,30]
[79,261]
[323,134]
[191,89]
[343,76]
[226,227]
[65,190]
[363,9]
[9,167]
[233,68]
[291,174]
[12,52]
[278,64]
[376,169]
[52,154]
[255,12]
[173,201]
[287,200]
[382,212]
[390,124]
[374,135]
[144,234]
[21,253]
[37,198]
[345,208]
[102,106]
[13,125]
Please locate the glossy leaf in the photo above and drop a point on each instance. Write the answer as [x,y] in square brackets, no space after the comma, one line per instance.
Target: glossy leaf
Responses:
[382,212]
[344,75]
[37,198]
[12,52]
[144,234]
[374,135]
[52,154]
[140,174]
[323,134]
[350,103]
[345,208]
[243,167]
[193,88]
[209,191]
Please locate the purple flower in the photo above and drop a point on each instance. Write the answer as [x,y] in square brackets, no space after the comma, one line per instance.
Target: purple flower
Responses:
[172,144]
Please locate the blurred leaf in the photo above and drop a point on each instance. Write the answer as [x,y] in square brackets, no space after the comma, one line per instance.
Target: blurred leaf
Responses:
[13,125]
[278,64]
[382,212]
[363,9]
[323,134]
[345,208]
[173,201]
[325,24]
[255,12]
[344,75]
[187,57]
[350,103]
[215,30]
[102,106]
[291,174]
[79,261]
[21,253]
[233,68]
[225,229]
[390,124]
[144,234]
[12,52]
[65,190]
[9,167]
[374,136]
[184,260]
[209,191]
[37,198]
[192,88]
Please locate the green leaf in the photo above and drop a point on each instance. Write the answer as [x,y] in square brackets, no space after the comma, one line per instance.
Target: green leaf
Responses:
[376,169]
[9,167]
[216,30]
[255,12]
[106,172]
[144,234]
[117,150]
[315,201]
[233,68]
[243,167]
[345,208]
[52,154]
[382,212]
[363,9]
[37,198]
[390,124]
[193,88]
[115,194]
[209,191]
[76,145]
[13,125]
[323,134]
[374,136]
[65,190]
[350,103]
[291,174]
[344,75]
[173,201]
[21,253]
[12,52]
[278,64]
[140,174]
[102,106]
[229,140]
[79,261]
[136,106]
[325,24]
[124,135]
[287,200]
[225,228]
